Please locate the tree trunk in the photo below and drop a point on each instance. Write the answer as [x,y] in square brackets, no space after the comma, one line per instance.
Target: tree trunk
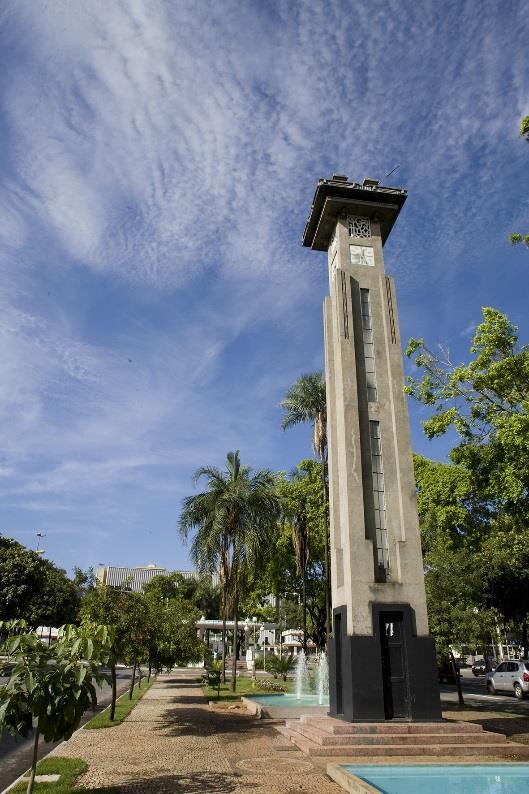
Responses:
[327,560]
[132,680]
[31,781]
[140,675]
[224,634]
[114,692]
[525,641]
[150,671]
[457,679]
[235,630]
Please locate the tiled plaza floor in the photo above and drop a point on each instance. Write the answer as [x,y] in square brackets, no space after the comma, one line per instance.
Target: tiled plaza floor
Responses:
[173,742]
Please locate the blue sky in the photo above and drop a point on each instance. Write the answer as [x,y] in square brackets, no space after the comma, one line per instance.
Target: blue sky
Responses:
[157,164]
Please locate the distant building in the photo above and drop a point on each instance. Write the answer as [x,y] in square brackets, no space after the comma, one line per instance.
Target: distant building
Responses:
[135,579]
[292,642]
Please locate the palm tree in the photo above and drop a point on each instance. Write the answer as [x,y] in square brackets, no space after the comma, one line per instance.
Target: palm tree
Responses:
[210,547]
[306,401]
[234,519]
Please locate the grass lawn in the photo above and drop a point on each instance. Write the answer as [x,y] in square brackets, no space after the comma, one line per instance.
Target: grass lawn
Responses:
[245,686]
[513,721]
[123,708]
[69,769]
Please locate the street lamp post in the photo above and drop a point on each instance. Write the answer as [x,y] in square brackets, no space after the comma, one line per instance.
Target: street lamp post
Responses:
[264,649]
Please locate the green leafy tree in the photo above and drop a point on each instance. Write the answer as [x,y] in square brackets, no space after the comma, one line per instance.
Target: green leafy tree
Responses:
[516,238]
[50,687]
[477,511]
[304,529]
[505,571]
[126,614]
[486,401]
[172,637]
[198,591]
[84,581]
[234,521]
[306,401]
[34,589]
[452,514]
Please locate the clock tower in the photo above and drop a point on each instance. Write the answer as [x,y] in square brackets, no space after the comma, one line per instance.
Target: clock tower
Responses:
[382,659]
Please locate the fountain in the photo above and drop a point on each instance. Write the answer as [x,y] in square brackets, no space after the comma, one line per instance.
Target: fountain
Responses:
[302,675]
[323,679]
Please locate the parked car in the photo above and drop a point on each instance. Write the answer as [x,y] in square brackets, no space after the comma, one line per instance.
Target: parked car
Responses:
[512,676]
[479,668]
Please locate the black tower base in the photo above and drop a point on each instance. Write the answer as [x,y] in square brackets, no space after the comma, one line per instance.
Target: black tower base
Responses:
[391,675]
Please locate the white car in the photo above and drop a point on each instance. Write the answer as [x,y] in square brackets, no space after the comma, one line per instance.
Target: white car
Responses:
[512,676]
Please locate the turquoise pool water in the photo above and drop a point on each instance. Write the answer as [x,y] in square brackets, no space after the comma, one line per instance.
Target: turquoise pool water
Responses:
[288,701]
[480,779]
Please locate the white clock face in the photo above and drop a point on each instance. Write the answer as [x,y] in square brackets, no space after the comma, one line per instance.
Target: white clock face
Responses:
[362,255]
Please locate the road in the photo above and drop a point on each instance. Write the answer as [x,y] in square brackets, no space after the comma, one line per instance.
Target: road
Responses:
[475,691]
[16,754]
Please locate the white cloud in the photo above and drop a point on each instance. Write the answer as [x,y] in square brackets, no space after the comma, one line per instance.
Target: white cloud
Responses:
[152,148]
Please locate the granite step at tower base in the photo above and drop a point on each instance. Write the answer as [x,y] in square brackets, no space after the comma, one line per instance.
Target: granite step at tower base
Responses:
[325,736]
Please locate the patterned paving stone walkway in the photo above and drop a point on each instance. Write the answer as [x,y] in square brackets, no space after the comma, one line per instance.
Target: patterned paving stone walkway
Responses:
[173,742]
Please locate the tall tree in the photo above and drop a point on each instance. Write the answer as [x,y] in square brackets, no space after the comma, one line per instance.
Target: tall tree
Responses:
[234,518]
[306,401]
[486,401]
[304,531]
[126,613]
[34,589]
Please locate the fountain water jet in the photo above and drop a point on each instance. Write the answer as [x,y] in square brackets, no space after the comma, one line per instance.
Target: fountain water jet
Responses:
[323,679]
[302,675]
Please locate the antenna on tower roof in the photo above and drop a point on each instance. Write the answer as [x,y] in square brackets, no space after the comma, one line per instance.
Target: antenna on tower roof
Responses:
[392,171]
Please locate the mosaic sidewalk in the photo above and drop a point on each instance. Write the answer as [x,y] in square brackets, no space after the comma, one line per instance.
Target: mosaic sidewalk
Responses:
[173,742]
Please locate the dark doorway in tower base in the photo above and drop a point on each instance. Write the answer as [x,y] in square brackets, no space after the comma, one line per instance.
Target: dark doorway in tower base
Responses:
[390,675]
[394,666]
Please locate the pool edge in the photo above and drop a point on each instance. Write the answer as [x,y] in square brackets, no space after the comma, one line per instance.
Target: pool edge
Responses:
[349,782]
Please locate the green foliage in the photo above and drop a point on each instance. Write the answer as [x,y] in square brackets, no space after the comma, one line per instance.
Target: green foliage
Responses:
[451,512]
[50,685]
[524,128]
[33,589]
[198,591]
[486,401]
[234,521]
[126,612]
[172,638]
[302,496]
[305,401]
[474,512]
[281,665]
[515,238]
[124,706]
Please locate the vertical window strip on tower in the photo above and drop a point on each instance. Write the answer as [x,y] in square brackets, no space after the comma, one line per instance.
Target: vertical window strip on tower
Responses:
[390,311]
[369,350]
[345,305]
[379,496]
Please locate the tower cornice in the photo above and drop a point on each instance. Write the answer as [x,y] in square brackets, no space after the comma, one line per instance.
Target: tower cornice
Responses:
[337,195]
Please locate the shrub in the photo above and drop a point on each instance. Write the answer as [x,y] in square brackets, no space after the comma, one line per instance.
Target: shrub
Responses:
[270,686]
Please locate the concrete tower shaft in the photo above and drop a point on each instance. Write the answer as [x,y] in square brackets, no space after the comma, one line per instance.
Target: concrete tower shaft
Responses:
[377,579]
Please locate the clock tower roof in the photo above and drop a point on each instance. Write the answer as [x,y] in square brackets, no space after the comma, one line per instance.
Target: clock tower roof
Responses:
[337,195]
